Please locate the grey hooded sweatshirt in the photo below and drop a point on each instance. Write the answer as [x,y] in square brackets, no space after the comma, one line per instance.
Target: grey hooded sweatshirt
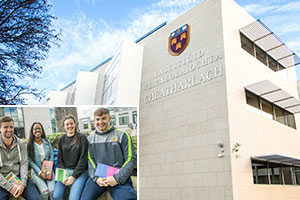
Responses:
[13,160]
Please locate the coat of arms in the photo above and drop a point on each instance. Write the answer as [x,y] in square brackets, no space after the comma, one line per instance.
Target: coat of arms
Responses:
[179,39]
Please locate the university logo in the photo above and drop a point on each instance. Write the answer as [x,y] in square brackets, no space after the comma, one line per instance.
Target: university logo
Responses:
[179,39]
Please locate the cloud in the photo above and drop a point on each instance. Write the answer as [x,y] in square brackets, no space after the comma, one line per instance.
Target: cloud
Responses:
[268,7]
[87,42]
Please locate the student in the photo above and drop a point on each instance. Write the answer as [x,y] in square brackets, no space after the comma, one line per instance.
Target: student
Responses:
[39,149]
[72,154]
[112,147]
[13,158]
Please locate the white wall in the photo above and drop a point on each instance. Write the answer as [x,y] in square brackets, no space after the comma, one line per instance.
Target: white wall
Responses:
[37,114]
[86,85]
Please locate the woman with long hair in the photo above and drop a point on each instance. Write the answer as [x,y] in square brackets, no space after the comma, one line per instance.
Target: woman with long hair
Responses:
[40,149]
[72,155]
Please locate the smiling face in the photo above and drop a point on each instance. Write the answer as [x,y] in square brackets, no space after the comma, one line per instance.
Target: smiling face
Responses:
[37,131]
[69,126]
[102,122]
[7,129]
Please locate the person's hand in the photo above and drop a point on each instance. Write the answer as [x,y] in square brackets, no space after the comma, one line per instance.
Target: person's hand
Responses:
[19,191]
[101,183]
[13,190]
[43,176]
[69,181]
[110,180]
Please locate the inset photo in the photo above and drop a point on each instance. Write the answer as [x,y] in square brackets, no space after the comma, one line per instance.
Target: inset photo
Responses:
[83,152]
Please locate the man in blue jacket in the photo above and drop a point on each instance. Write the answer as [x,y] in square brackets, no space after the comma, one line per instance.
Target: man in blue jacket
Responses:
[112,147]
[13,158]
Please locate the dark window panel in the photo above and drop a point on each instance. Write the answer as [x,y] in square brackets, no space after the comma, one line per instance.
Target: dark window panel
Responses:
[247,45]
[290,118]
[272,64]
[267,108]
[261,55]
[252,100]
[279,114]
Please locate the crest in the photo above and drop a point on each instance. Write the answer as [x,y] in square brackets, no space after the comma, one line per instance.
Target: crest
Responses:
[179,39]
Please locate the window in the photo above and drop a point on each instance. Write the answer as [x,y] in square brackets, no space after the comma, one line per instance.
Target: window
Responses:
[85,126]
[297,175]
[270,110]
[287,172]
[279,114]
[260,173]
[260,54]
[113,120]
[272,64]
[134,117]
[252,100]
[267,109]
[265,172]
[275,174]
[290,118]
[247,45]
[123,120]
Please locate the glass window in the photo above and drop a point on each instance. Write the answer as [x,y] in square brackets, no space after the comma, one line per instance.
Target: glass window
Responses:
[287,175]
[134,117]
[297,175]
[267,108]
[260,173]
[272,64]
[290,118]
[252,100]
[260,55]
[124,120]
[247,45]
[275,173]
[280,67]
[113,120]
[85,126]
[279,114]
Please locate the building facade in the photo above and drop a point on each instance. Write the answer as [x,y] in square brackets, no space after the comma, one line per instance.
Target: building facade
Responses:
[24,117]
[219,121]
[218,107]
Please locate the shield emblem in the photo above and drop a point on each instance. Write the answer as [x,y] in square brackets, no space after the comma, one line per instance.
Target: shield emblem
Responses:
[179,39]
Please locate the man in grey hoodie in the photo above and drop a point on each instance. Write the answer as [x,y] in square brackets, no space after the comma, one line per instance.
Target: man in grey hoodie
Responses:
[13,158]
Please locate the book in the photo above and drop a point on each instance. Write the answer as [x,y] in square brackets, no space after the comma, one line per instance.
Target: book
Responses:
[62,174]
[47,167]
[104,171]
[12,178]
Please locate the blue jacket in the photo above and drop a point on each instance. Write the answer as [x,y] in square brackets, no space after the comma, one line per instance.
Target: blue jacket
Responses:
[36,164]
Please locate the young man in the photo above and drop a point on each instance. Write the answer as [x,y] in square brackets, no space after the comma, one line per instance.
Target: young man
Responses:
[13,158]
[112,147]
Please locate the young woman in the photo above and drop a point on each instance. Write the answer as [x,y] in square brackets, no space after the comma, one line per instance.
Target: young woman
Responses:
[39,149]
[72,154]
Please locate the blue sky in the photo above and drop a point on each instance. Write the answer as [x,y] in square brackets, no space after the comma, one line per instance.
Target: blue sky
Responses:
[93,29]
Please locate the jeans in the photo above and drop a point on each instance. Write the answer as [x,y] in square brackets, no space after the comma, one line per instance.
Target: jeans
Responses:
[30,192]
[76,188]
[43,185]
[119,192]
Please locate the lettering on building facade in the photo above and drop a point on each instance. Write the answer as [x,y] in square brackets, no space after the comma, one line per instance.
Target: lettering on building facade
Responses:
[185,66]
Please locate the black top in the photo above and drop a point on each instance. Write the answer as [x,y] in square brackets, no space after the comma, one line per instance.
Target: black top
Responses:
[73,156]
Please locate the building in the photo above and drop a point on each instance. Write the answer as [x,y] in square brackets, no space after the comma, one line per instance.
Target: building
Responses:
[121,117]
[113,82]
[24,117]
[218,108]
